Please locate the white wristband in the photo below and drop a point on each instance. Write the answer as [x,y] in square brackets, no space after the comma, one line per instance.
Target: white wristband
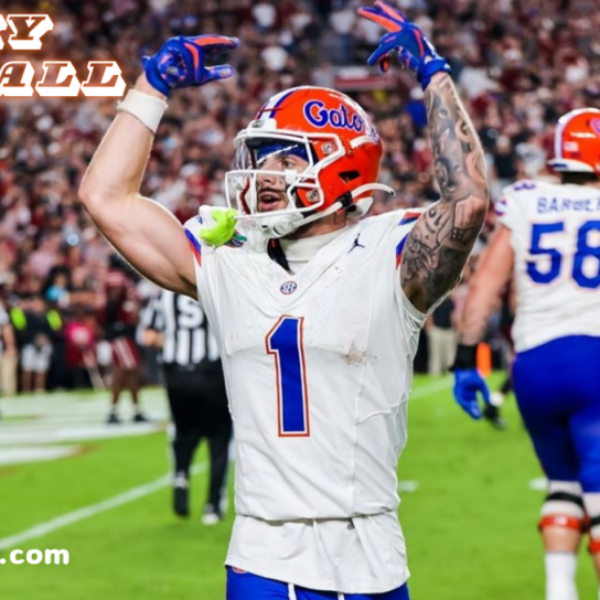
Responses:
[144,107]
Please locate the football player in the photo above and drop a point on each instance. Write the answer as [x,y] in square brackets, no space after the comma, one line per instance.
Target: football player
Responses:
[317,315]
[549,237]
[121,317]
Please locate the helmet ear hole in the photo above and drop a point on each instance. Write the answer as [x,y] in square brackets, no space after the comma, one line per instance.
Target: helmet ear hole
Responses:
[348,176]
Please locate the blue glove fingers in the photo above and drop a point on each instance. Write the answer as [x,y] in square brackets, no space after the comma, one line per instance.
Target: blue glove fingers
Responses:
[485,392]
[467,382]
[176,67]
[227,43]
[218,72]
[153,75]
[415,52]
[194,59]
[206,45]
[169,67]
[407,60]
[388,43]
[411,39]
[381,19]
[418,35]
[468,404]
[379,54]
[181,62]
[212,44]
[473,410]
[392,13]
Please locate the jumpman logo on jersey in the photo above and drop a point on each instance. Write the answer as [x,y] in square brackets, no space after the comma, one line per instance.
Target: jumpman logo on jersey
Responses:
[356,244]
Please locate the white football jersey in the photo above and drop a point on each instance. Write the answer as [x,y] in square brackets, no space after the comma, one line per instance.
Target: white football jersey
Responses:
[318,368]
[555,235]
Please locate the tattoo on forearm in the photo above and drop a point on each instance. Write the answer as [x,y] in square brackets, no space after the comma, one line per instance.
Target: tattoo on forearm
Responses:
[464,235]
[440,242]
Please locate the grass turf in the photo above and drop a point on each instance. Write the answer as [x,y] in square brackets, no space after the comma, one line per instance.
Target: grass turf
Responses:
[470,525]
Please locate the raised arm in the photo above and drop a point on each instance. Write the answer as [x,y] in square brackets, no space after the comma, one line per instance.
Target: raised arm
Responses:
[144,232]
[440,242]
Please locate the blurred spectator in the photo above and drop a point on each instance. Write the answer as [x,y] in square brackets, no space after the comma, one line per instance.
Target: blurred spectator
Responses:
[80,349]
[121,318]
[34,325]
[505,165]
[8,355]
[441,338]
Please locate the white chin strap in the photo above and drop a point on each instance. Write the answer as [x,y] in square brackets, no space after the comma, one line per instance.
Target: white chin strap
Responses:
[278,226]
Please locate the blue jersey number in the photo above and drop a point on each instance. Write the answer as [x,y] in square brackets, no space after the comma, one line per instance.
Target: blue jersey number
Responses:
[584,250]
[539,230]
[284,342]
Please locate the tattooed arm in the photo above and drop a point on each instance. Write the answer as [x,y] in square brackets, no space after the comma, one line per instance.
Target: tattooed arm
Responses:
[439,244]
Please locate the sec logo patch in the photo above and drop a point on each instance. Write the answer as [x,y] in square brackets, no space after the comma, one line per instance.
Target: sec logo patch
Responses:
[289,287]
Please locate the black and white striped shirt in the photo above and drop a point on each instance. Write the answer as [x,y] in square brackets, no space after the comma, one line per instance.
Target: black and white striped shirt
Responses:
[188,338]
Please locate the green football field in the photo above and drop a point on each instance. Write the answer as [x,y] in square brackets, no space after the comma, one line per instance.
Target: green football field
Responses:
[470,503]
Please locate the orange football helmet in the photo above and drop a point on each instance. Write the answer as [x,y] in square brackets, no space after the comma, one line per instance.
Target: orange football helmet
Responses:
[577,142]
[328,130]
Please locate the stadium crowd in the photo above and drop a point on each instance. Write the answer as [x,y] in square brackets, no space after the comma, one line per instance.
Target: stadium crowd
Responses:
[520,65]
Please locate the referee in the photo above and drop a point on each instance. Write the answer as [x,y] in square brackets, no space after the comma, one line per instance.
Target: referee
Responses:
[196,391]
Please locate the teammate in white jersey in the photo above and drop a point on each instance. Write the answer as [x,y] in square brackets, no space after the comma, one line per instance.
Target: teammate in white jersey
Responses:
[549,236]
[316,315]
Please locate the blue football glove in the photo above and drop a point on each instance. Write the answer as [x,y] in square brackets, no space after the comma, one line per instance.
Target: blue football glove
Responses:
[181,62]
[415,52]
[467,382]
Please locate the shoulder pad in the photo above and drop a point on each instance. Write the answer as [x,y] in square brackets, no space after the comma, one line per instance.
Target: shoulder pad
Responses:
[522,185]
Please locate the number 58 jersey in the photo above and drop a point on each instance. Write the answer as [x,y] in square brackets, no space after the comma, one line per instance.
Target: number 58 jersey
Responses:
[318,367]
[555,236]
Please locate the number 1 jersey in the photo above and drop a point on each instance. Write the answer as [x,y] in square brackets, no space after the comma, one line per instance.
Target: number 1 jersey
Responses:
[318,368]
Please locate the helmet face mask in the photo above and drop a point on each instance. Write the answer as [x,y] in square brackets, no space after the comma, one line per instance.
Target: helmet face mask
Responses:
[340,154]
[302,188]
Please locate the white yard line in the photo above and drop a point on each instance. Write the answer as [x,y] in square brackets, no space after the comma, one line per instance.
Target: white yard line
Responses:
[89,396]
[430,388]
[87,512]
[81,433]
